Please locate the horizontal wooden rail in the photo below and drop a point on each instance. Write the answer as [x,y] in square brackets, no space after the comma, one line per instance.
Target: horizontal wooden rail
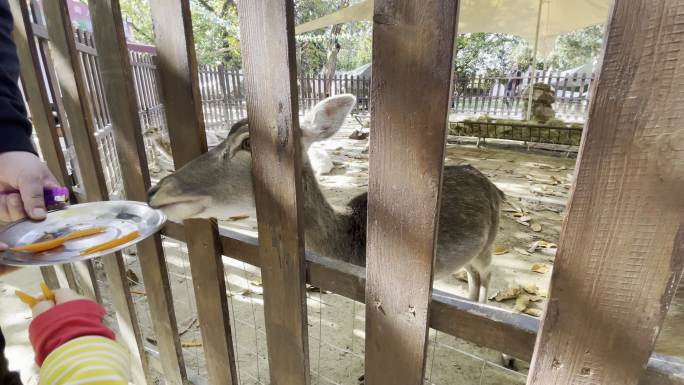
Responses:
[484,325]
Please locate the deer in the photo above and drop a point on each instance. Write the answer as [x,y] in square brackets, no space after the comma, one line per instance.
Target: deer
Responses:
[218,184]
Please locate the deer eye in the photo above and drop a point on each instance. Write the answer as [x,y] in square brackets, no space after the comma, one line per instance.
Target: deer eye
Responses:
[246,145]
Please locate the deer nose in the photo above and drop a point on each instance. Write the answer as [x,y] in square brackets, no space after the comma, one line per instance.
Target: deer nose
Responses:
[153,190]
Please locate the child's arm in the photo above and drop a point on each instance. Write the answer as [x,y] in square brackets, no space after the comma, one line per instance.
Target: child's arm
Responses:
[73,346]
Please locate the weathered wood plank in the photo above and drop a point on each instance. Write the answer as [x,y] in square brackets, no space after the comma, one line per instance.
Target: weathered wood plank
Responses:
[177,65]
[71,83]
[39,105]
[621,252]
[268,55]
[484,325]
[405,176]
[122,107]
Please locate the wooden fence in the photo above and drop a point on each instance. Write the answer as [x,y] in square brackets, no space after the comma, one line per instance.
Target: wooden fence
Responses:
[620,167]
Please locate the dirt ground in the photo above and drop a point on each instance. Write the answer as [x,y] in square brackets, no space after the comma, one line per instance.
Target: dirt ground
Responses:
[537,184]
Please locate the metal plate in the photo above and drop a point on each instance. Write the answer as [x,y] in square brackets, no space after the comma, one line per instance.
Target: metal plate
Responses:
[118,217]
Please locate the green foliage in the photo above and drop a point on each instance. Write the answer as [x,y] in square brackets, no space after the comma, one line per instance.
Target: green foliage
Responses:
[217,40]
[138,13]
[575,48]
[355,38]
[214,22]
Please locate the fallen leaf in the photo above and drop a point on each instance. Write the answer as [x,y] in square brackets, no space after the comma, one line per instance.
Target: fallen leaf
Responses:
[536,227]
[536,245]
[461,275]
[498,250]
[521,303]
[525,218]
[547,245]
[138,292]
[238,217]
[533,312]
[531,289]
[151,340]
[539,268]
[522,222]
[191,344]
[509,293]
[256,283]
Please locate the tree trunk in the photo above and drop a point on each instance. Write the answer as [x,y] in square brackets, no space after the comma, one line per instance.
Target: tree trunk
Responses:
[333,50]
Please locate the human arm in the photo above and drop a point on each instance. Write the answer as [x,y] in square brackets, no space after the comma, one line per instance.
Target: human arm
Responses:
[20,167]
[72,343]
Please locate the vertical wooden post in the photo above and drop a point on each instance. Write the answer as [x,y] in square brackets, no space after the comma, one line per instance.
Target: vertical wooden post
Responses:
[119,87]
[267,31]
[36,96]
[177,65]
[406,160]
[621,252]
[72,85]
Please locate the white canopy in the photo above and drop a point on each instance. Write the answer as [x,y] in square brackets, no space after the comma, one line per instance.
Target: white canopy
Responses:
[515,17]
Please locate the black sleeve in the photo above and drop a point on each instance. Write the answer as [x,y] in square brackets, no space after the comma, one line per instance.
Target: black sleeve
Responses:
[6,377]
[15,128]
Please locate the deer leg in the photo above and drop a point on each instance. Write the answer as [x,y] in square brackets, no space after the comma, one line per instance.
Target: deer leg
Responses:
[473,283]
[484,285]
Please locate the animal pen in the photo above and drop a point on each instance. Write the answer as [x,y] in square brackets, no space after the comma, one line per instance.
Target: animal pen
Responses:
[631,158]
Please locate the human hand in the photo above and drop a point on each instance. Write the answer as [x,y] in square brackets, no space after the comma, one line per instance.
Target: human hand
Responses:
[23,171]
[4,269]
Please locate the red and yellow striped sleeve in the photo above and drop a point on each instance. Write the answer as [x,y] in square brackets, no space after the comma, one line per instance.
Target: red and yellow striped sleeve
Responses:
[86,361]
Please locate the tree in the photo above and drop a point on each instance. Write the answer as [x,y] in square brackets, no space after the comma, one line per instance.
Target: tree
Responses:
[576,48]
[215,28]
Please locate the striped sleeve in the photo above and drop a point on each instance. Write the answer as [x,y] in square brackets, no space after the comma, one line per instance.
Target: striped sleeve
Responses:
[86,361]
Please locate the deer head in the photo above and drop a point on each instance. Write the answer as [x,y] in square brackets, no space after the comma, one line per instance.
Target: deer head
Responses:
[218,183]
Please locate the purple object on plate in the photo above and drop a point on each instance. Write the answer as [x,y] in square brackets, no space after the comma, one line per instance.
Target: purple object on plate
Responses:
[55,197]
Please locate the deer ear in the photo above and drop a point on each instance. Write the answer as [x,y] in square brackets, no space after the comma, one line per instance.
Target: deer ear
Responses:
[326,118]
[235,143]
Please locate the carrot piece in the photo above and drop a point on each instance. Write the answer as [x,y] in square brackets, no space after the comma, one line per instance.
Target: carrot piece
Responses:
[111,244]
[57,242]
[25,298]
[40,246]
[82,233]
[47,293]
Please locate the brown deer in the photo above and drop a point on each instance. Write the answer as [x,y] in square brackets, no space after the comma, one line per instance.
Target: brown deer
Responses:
[219,184]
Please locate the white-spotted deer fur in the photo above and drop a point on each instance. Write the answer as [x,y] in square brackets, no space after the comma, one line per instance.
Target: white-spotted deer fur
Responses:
[219,184]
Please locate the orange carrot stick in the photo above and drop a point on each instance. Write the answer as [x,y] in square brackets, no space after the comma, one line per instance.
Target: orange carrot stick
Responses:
[47,293]
[40,246]
[83,233]
[25,298]
[57,242]
[111,244]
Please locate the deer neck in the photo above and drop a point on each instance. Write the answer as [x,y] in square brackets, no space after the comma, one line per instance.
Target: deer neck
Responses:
[326,229]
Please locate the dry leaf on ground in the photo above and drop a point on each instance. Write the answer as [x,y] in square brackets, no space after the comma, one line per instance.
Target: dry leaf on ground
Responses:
[509,293]
[540,268]
[238,217]
[533,312]
[191,344]
[521,303]
[498,250]
[536,227]
[461,275]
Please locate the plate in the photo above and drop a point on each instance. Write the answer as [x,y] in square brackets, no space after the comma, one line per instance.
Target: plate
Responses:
[117,217]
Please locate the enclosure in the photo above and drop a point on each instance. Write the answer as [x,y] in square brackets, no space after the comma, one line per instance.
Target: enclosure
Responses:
[119,113]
